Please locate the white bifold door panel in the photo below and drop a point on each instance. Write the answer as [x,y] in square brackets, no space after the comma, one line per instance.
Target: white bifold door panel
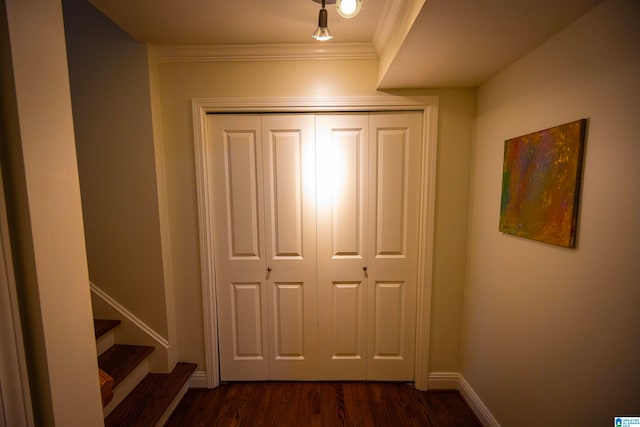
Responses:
[316,225]
[342,153]
[236,150]
[392,265]
[290,219]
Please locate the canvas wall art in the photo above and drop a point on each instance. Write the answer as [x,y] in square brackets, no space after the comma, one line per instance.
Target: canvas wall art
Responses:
[541,184]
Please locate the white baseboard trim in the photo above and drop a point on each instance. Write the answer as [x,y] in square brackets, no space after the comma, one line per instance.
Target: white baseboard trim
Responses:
[129,316]
[198,380]
[477,405]
[455,381]
[132,330]
[443,381]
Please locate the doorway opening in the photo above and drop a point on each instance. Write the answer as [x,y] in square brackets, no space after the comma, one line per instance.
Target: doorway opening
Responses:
[428,106]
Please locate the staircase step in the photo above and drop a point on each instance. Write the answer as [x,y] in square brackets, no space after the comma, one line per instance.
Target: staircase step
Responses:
[148,402]
[106,387]
[120,360]
[102,326]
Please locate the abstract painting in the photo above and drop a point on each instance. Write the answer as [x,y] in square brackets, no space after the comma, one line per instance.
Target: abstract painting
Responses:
[541,184]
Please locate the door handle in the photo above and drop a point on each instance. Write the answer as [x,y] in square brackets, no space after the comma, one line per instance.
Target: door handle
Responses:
[364,269]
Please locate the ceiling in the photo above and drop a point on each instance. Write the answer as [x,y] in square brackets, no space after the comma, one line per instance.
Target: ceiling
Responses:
[448,43]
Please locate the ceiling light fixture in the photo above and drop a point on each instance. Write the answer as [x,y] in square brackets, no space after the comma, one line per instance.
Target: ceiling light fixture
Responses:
[322,33]
[349,8]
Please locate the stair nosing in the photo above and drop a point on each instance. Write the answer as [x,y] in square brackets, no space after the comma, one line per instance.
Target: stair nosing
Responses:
[150,389]
[103,326]
[121,359]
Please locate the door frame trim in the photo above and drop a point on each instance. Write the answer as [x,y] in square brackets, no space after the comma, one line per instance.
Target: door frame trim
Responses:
[15,394]
[428,105]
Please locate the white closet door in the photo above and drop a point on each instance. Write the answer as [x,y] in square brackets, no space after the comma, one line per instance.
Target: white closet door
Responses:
[394,189]
[236,156]
[341,146]
[316,276]
[290,218]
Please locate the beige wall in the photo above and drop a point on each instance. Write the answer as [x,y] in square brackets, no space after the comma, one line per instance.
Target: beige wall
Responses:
[178,83]
[112,118]
[551,334]
[456,125]
[45,216]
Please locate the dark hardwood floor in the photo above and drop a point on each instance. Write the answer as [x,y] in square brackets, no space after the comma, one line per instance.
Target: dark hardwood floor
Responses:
[321,404]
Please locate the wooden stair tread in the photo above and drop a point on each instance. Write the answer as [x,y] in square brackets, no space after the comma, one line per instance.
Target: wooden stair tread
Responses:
[120,360]
[147,402]
[102,326]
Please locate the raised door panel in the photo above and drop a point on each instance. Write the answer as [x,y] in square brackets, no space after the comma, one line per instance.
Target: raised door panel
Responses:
[394,188]
[286,199]
[234,147]
[288,160]
[288,300]
[343,332]
[346,201]
[246,308]
[388,314]
[390,193]
[342,224]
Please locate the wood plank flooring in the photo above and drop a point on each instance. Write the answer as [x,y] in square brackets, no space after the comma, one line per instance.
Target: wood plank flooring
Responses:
[321,404]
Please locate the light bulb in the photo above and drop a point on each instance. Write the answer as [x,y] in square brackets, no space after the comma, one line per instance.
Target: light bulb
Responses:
[322,33]
[348,8]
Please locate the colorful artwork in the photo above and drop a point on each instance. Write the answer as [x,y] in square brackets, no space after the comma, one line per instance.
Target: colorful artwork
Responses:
[541,184]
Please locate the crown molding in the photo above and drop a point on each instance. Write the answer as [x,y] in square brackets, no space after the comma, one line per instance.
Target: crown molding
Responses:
[385,25]
[261,52]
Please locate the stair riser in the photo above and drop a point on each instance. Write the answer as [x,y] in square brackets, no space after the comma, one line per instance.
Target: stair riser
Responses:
[124,388]
[105,342]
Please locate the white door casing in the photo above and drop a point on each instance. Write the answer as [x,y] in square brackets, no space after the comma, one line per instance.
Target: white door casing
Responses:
[428,105]
[15,397]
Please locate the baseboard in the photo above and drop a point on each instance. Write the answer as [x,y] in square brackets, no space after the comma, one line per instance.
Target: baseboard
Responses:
[132,330]
[443,381]
[198,380]
[455,381]
[477,405]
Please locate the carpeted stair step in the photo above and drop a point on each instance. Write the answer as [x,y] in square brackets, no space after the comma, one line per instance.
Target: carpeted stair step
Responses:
[153,400]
